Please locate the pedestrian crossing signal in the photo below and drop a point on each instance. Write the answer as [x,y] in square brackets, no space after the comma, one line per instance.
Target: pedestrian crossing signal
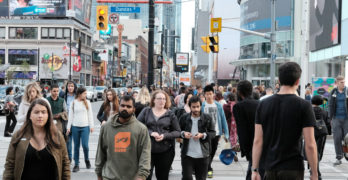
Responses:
[102,17]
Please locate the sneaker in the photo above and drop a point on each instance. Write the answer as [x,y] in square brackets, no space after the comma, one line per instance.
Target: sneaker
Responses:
[76,168]
[338,162]
[88,164]
[235,158]
[7,134]
[210,174]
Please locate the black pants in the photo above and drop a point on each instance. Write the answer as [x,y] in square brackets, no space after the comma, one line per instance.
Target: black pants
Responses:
[10,127]
[214,145]
[161,162]
[198,165]
[284,175]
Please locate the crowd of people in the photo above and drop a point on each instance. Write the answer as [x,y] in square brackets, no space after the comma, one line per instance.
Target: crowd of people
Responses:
[274,129]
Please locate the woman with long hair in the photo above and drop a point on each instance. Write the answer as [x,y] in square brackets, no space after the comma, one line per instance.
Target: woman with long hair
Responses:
[69,97]
[80,124]
[31,93]
[10,104]
[143,99]
[231,122]
[37,150]
[219,98]
[163,127]
[109,107]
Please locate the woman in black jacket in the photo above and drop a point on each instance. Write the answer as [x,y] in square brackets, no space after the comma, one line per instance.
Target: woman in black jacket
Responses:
[109,107]
[163,127]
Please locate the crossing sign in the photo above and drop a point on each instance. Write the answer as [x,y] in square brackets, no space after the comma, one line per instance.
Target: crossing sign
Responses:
[215,25]
[113,18]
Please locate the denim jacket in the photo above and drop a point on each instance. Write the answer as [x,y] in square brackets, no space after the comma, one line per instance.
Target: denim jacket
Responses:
[222,123]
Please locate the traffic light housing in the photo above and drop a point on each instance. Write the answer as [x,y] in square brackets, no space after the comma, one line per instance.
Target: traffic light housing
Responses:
[214,47]
[102,17]
[159,61]
[206,41]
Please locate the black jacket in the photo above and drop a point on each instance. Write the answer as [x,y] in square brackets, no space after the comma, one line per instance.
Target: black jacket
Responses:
[205,125]
[167,124]
[139,107]
[332,102]
[244,114]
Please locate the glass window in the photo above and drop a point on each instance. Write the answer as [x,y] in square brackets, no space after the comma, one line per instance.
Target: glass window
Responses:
[20,56]
[66,33]
[88,62]
[52,33]
[2,32]
[89,41]
[59,33]
[44,33]
[83,61]
[88,79]
[12,33]
[30,33]
[23,33]
[83,38]
[76,35]
[82,78]
[2,56]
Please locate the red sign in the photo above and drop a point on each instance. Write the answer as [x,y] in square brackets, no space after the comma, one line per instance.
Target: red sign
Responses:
[113,18]
[133,1]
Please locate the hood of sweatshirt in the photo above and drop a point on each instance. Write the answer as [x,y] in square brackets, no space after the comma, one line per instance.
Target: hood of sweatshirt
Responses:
[114,121]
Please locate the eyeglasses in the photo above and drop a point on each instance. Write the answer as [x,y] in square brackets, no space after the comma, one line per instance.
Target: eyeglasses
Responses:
[160,99]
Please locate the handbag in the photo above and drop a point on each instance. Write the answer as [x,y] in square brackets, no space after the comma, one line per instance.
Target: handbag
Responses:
[320,128]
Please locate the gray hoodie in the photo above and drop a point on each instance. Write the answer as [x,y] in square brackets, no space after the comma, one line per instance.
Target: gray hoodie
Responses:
[124,150]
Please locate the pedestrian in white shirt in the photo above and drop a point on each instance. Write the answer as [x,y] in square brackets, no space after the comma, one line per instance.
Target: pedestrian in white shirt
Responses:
[80,124]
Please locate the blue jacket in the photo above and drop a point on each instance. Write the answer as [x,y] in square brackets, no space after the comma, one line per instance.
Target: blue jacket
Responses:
[222,123]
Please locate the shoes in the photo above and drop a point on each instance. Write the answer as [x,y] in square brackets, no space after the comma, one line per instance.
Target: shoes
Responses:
[76,168]
[210,174]
[338,162]
[88,164]
[235,158]
[7,134]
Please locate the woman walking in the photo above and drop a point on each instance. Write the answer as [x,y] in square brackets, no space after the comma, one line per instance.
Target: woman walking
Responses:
[142,100]
[37,150]
[10,115]
[109,107]
[31,93]
[163,127]
[69,97]
[80,124]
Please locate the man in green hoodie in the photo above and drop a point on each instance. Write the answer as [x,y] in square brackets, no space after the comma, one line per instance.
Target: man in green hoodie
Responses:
[124,147]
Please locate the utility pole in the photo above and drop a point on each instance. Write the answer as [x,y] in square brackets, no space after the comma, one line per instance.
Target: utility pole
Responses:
[162,49]
[151,42]
[70,75]
[273,44]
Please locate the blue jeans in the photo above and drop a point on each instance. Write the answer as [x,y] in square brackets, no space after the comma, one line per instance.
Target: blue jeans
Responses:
[80,134]
[69,145]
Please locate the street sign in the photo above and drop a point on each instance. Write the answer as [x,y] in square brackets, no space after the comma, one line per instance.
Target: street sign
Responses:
[125,9]
[215,25]
[114,18]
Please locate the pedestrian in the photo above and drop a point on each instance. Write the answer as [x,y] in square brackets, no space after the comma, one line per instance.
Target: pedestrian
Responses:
[37,150]
[135,94]
[231,122]
[109,107]
[219,98]
[69,97]
[9,106]
[308,94]
[244,113]
[179,99]
[197,129]
[186,109]
[269,92]
[163,127]
[202,97]
[221,90]
[320,138]
[338,105]
[280,123]
[143,100]
[80,124]
[229,91]
[31,93]
[58,107]
[129,91]
[124,146]
[62,92]
[215,110]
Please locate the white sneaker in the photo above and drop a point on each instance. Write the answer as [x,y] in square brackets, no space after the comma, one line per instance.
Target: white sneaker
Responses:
[338,162]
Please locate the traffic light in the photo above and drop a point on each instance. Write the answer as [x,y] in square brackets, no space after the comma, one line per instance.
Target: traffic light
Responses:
[159,61]
[206,41]
[102,17]
[214,47]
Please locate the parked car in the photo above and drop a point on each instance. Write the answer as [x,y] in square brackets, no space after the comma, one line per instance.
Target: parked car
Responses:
[92,93]
[100,90]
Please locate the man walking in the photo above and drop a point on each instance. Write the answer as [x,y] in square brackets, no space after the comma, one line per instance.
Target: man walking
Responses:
[244,113]
[215,110]
[281,120]
[124,146]
[338,105]
[197,130]
[59,110]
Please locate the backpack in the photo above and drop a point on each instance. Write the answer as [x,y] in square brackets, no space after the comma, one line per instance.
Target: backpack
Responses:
[320,128]
[181,103]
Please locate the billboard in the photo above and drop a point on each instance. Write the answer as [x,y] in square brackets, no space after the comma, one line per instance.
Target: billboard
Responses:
[81,10]
[3,7]
[37,7]
[256,15]
[181,62]
[325,22]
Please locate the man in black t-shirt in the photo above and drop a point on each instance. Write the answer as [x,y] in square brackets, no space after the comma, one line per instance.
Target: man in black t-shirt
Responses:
[280,122]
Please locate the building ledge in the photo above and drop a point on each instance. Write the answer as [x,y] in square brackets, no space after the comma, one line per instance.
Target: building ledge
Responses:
[240,62]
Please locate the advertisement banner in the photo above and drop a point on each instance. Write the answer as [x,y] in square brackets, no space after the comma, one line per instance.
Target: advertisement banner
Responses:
[59,66]
[323,86]
[37,7]
[81,9]
[325,22]
[181,62]
[3,7]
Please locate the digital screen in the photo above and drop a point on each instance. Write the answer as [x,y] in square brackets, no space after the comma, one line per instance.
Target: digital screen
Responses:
[324,24]
[3,7]
[82,10]
[37,7]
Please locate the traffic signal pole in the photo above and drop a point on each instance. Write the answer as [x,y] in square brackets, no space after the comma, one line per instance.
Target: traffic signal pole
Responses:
[151,43]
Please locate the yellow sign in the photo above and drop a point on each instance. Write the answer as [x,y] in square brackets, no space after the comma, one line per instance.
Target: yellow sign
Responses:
[124,72]
[215,25]
[206,41]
